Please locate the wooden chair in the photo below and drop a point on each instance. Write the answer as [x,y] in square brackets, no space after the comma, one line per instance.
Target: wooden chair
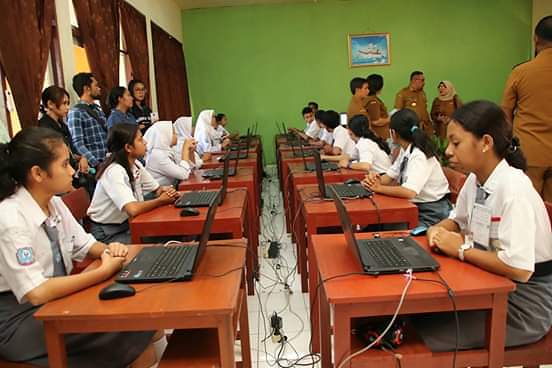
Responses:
[456,181]
[78,202]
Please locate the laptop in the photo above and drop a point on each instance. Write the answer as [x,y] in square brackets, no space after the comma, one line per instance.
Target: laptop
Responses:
[311,166]
[343,190]
[204,198]
[383,255]
[292,139]
[301,152]
[218,173]
[170,263]
[241,146]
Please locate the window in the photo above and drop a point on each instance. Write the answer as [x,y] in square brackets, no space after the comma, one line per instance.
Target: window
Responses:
[125,68]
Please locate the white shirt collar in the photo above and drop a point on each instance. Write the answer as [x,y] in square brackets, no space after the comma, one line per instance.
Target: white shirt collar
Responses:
[494,179]
[31,207]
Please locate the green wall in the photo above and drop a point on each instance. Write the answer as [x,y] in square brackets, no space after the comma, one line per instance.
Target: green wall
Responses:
[265,62]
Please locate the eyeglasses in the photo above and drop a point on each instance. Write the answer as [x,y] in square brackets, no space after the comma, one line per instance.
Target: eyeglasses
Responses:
[140,90]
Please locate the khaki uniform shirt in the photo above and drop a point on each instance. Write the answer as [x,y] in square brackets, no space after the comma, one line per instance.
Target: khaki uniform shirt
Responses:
[528,94]
[376,110]
[356,107]
[415,101]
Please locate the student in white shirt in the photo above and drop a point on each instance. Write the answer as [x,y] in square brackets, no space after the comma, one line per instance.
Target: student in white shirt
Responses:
[416,174]
[205,134]
[343,146]
[312,130]
[161,161]
[220,132]
[39,240]
[371,153]
[325,138]
[184,131]
[518,242]
[122,182]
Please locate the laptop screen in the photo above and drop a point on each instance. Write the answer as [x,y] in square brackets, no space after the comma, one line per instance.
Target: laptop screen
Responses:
[319,173]
[204,238]
[225,177]
[346,225]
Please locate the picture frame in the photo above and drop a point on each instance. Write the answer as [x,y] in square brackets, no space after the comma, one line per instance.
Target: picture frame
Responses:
[369,49]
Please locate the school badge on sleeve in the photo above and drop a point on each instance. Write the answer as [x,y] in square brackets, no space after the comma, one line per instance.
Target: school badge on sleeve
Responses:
[25,256]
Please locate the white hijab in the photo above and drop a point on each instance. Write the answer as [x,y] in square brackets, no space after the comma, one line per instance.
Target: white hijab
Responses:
[159,137]
[184,130]
[204,131]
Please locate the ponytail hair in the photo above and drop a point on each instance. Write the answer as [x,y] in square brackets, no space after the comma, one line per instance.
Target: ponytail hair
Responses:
[486,118]
[406,124]
[119,136]
[30,147]
[54,94]
[359,125]
[114,95]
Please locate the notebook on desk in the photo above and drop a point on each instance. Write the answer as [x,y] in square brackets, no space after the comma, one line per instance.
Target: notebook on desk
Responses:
[383,255]
[170,263]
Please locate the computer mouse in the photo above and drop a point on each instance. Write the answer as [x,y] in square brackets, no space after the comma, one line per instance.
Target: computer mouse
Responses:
[352,181]
[116,290]
[189,211]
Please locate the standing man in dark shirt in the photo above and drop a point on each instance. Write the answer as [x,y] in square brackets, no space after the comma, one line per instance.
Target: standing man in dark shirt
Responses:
[87,122]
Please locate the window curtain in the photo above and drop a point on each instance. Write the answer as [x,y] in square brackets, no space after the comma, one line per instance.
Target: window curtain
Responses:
[25,38]
[99,31]
[173,100]
[134,30]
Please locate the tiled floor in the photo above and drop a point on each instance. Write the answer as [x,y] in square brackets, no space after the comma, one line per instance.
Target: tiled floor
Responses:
[274,296]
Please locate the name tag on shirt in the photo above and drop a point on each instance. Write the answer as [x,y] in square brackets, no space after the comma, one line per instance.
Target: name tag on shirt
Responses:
[480,224]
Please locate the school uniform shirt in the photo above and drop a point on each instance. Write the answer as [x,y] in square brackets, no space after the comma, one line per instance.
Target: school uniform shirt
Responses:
[375,108]
[119,117]
[326,136]
[528,93]
[356,107]
[415,101]
[368,151]
[114,191]
[26,257]
[420,174]
[343,140]
[183,128]
[204,133]
[519,220]
[312,129]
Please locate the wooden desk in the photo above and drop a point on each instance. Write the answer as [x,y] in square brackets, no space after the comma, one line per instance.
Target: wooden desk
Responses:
[179,305]
[364,296]
[231,217]
[315,213]
[243,179]
[253,161]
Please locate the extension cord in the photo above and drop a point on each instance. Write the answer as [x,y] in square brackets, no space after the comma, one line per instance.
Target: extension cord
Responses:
[274,249]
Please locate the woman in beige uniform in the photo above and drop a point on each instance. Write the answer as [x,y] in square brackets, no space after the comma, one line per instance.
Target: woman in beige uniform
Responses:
[444,106]
[375,108]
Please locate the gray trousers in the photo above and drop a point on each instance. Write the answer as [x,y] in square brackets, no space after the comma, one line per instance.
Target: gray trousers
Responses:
[22,340]
[431,213]
[108,233]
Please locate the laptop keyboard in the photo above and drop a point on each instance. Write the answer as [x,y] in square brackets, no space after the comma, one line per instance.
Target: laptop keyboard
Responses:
[385,254]
[195,199]
[350,191]
[169,262]
[234,155]
[219,172]
[304,154]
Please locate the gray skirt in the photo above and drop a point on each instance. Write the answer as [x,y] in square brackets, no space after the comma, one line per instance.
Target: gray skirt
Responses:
[431,213]
[109,233]
[22,340]
[529,319]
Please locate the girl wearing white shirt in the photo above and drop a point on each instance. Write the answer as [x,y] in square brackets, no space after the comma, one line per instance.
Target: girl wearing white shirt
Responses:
[184,131]
[416,174]
[220,131]
[343,146]
[518,242]
[122,182]
[39,240]
[161,162]
[372,152]
[205,134]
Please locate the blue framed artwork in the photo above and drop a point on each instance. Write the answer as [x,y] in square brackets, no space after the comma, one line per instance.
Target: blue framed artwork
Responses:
[369,49]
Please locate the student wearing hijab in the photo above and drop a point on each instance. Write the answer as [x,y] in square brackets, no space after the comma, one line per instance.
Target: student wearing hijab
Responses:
[184,131]
[444,106]
[161,161]
[205,134]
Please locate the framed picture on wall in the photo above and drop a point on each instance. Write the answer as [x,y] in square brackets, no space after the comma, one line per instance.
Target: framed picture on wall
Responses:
[369,49]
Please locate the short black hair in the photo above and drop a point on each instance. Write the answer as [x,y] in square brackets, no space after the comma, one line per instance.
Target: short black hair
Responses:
[81,80]
[306,110]
[375,83]
[219,117]
[313,104]
[543,30]
[330,119]
[415,73]
[355,83]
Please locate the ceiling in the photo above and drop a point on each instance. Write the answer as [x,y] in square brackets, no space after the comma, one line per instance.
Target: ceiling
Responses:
[198,4]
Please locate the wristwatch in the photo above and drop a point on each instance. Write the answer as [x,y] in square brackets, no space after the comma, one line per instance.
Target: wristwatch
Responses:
[468,244]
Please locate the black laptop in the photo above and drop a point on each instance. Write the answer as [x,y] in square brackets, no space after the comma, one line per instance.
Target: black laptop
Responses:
[240,143]
[241,147]
[311,166]
[383,255]
[204,198]
[301,152]
[169,263]
[215,174]
[343,190]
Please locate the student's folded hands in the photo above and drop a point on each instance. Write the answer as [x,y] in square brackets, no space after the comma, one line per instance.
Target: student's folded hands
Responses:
[371,181]
[117,249]
[445,241]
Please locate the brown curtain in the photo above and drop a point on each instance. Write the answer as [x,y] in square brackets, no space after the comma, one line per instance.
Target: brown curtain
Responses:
[99,31]
[170,75]
[134,30]
[25,38]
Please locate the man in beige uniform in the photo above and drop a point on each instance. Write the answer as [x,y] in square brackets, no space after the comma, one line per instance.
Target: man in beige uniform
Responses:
[414,98]
[527,103]
[359,90]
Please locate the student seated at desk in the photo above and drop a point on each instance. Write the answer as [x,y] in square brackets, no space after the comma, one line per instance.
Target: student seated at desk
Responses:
[220,132]
[312,129]
[500,225]
[39,240]
[122,182]
[205,135]
[184,132]
[343,146]
[371,151]
[161,161]
[416,174]
[325,138]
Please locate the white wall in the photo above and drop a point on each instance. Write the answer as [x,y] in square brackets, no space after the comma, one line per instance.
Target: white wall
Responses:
[165,13]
